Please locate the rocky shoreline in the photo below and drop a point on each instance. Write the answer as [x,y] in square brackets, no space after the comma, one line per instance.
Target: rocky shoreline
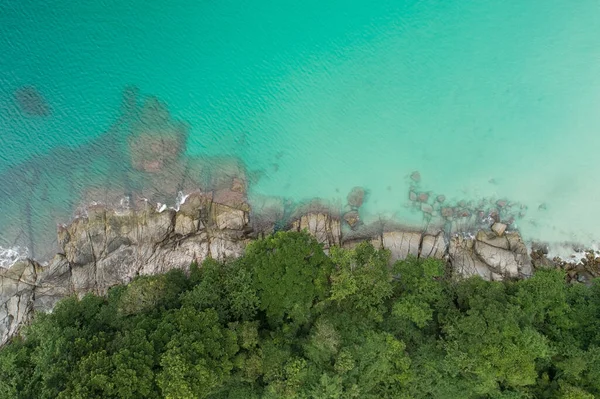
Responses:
[108,246]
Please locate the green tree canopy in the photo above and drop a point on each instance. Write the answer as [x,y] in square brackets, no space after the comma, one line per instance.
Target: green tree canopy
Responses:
[288,321]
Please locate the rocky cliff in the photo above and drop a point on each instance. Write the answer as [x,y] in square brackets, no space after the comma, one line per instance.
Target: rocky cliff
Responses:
[108,246]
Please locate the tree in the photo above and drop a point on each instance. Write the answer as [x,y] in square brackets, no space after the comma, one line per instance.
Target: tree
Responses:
[290,273]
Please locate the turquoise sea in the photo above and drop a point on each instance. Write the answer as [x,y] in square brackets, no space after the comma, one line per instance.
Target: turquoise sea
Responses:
[488,100]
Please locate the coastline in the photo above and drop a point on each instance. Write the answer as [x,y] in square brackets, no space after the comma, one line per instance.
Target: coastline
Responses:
[152,208]
[106,246]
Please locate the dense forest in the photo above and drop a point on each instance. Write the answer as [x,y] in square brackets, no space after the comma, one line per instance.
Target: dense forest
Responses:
[289,321]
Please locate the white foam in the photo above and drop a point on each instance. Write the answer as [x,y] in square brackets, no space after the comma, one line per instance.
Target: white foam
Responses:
[567,252]
[181,197]
[10,256]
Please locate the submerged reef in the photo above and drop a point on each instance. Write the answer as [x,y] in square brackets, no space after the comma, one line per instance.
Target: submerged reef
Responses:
[142,155]
[31,102]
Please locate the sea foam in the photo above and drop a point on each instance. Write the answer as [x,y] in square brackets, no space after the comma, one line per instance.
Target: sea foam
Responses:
[10,256]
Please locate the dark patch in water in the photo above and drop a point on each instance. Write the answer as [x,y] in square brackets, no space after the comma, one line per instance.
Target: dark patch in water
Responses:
[31,102]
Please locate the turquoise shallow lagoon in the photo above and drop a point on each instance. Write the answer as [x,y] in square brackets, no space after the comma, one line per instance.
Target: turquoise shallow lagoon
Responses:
[487,100]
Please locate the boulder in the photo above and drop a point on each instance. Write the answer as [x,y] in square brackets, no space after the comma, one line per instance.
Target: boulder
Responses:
[229,218]
[323,226]
[499,228]
[433,246]
[464,261]
[401,244]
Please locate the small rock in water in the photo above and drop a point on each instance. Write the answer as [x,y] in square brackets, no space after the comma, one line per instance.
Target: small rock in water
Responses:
[356,197]
[499,228]
[412,196]
[542,207]
[415,176]
[423,197]
[462,203]
[447,212]
[502,203]
[495,215]
[427,208]
[441,198]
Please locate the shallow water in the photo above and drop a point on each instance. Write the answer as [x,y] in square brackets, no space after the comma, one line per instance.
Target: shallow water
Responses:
[487,100]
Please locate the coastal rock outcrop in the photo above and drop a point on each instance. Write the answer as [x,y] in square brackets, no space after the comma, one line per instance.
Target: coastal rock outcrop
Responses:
[490,256]
[17,286]
[401,244]
[107,246]
[324,226]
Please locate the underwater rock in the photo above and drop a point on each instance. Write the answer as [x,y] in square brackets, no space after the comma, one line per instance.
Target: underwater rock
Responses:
[31,102]
[415,176]
[412,196]
[447,212]
[464,213]
[441,198]
[502,203]
[423,197]
[356,197]
[151,151]
[156,140]
[427,208]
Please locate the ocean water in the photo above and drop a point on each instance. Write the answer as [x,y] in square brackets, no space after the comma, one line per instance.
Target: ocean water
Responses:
[487,100]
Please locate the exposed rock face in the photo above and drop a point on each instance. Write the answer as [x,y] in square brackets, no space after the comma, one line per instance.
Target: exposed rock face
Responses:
[490,256]
[401,244]
[434,246]
[111,246]
[16,297]
[325,227]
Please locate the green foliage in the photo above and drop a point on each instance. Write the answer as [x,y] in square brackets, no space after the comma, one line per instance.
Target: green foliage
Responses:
[288,321]
[289,272]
